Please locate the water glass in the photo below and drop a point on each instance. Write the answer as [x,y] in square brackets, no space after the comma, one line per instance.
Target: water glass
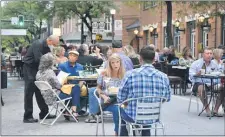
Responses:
[81,73]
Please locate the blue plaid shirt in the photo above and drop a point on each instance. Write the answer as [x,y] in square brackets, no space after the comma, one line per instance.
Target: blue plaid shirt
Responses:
[141,82]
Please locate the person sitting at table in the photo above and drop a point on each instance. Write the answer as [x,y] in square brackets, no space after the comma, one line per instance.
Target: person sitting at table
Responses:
[140,82]
[46,73]
[59,52]
[217,55]
[186,58]
[71,66]
[84,57]
[117,48]
[115,71]
[129,51]
[200,84]
[163,57]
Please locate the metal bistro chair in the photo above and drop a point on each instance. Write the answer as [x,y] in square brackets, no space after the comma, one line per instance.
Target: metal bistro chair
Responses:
[43,85]
[102,115]
[145,110]
[192,94]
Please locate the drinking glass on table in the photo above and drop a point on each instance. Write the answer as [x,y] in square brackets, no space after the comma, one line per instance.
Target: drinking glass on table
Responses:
[107,82]
[212,69]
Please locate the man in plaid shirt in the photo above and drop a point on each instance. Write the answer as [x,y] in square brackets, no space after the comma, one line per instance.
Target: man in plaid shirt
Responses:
[141,82]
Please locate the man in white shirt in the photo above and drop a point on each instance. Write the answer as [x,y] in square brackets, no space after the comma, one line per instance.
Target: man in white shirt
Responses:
[202,83]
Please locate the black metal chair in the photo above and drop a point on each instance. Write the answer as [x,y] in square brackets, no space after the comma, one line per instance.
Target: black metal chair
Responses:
[175,80]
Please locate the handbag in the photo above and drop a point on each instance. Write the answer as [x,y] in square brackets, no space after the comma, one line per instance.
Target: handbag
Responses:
[67,89]
[83,91]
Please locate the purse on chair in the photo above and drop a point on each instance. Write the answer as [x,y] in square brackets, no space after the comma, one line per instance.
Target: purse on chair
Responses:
[83,91]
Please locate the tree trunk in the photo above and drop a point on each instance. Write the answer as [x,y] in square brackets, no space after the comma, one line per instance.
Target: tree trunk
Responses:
[82,31]
[169,23]
[39,33]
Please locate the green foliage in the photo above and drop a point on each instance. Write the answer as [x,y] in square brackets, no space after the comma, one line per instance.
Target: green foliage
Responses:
[82,9]
[34,12]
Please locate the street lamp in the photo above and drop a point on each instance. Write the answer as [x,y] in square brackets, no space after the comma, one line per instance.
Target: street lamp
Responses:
[136,32]
[204,23]
[113,12]
[177,25]
[153,31]
[201,18]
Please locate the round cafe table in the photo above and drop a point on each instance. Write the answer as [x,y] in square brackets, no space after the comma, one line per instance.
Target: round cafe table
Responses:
[212,77]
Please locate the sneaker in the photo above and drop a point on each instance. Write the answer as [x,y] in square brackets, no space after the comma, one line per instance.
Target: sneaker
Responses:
[92,119]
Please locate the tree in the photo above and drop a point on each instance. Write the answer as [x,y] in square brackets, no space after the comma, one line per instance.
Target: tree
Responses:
[85,10]
[36,12]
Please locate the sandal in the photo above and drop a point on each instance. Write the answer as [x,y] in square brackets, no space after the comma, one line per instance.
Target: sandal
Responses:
[215,114]
[75,114]
[66,115]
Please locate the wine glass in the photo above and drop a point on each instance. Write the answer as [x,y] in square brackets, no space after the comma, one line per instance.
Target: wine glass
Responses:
[212,69]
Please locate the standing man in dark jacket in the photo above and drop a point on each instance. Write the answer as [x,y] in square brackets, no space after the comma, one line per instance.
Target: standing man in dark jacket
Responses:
[30,68]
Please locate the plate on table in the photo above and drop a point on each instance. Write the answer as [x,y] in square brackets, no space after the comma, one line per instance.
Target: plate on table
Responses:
[72,77]
[216,73]
[113,90]
[93,76]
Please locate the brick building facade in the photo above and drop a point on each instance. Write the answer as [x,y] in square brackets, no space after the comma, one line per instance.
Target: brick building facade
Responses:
[155,14]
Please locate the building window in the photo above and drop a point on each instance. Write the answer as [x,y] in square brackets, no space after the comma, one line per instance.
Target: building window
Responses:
[147,37]
[223,30]
[165,38]
[176,39]
[108,25]
[71,24]
[149,4]
[205,39]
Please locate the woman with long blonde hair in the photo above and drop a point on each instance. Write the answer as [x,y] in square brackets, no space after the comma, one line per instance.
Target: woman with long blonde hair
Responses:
[107,83]
[129,51]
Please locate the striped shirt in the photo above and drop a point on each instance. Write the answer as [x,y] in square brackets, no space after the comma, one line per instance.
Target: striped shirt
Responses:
[141,82]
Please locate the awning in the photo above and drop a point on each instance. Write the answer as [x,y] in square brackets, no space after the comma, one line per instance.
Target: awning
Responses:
[134,25]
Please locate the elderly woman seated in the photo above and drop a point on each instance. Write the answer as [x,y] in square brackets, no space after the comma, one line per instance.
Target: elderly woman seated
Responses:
[46,73]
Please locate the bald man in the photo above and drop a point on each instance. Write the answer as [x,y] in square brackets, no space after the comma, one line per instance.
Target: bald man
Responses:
[30,68]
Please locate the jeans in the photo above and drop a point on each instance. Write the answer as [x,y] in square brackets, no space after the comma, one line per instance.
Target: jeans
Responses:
[94,108]
[125,117]
[75,94]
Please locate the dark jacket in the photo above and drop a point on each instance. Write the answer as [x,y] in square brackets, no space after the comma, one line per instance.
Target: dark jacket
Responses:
[34,53]
[84,59]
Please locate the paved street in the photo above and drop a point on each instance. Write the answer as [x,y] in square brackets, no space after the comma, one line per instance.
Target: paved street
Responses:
[174,115]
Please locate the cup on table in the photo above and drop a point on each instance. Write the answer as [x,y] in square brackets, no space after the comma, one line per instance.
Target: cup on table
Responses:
[202,71]
[81,73]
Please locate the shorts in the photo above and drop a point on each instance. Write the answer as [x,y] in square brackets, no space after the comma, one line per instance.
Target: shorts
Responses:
[196,85]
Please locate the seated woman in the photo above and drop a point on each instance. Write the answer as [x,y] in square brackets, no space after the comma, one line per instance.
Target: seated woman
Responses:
[186,58]
[46,73]
[217,54]
[129,51]
[59,52]
[115,72]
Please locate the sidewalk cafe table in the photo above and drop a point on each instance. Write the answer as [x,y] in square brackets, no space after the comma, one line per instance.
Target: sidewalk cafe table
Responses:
[211,77]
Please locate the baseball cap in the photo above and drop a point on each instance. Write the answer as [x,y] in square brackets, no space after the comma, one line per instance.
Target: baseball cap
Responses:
[116,44]
[74,52]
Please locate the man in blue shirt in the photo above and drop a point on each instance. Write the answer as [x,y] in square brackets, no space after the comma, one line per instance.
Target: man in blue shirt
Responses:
[141,82]
[72,67]
[117,48]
